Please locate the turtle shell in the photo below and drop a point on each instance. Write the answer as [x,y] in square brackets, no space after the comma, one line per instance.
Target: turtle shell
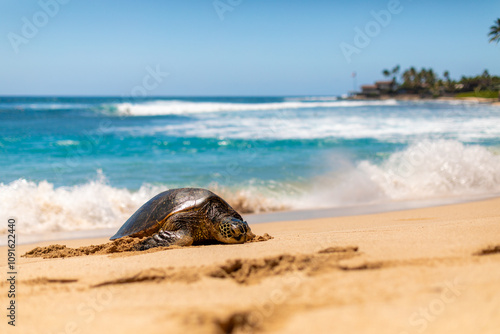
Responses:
[147,218]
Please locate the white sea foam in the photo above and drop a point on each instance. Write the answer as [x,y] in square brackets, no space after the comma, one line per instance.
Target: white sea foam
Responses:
[175,107]
[40,207]
[425,170]
[43,106]
[312,98]
[314,120]
[67,142]
[330,125]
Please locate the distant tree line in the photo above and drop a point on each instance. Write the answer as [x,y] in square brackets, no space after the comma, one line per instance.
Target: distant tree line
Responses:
[428,82]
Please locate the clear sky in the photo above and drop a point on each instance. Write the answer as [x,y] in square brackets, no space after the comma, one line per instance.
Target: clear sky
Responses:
[242,47]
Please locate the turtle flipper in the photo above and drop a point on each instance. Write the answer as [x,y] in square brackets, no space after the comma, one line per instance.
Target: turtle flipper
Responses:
[166,238]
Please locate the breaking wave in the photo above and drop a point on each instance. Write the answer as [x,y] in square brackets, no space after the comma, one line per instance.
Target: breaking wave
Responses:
[328,125]
[42,106]
[425,170]
[41,207]
[175,107]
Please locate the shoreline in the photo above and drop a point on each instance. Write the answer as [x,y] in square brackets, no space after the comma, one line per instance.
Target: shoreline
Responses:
[413,97]
[370,273]
[268,217]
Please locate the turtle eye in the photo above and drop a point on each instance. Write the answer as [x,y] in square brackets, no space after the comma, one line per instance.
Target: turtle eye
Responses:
[236,230]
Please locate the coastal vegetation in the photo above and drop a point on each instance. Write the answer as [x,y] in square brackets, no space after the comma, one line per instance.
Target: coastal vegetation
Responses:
[426,82]
[484,94]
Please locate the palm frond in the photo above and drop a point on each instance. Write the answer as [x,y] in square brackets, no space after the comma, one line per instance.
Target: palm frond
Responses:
[495,32]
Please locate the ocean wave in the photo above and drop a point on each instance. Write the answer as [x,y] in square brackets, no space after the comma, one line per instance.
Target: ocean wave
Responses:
[67,142]
[312,98]
[441,168]
[43,106]
[425,170]
[175,107]
[41,207]
[328,125]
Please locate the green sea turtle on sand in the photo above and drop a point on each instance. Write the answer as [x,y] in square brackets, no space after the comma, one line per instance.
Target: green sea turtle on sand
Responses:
[184,217]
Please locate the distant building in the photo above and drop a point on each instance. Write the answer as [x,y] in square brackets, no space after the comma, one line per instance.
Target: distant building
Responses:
[379,88]
[385,86]
[370,90]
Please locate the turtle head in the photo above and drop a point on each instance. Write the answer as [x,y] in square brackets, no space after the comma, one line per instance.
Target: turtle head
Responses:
[234,231]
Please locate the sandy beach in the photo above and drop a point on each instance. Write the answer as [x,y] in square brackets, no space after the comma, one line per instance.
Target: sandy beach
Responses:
[432,270]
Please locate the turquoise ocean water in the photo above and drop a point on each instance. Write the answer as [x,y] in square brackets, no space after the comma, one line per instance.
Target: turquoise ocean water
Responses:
[89,162]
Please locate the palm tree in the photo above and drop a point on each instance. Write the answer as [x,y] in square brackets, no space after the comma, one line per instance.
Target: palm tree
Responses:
[421,79]
[486,79]
[446,75]
[413,77]
[394,73]
[407,79]
[495,37]
[495,32]
[431,77]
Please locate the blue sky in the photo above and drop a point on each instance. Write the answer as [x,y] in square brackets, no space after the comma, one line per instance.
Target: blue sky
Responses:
[261,47]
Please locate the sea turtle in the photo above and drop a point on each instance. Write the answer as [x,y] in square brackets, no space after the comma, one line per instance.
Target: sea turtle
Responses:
[184,217]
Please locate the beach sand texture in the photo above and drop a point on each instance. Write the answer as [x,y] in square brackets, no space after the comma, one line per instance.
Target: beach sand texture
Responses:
[431,270]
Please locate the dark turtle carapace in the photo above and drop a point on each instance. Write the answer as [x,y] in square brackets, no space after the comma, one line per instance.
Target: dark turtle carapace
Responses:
[184,217]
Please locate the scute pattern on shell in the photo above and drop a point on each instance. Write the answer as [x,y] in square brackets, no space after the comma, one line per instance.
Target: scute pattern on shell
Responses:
[149,217]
